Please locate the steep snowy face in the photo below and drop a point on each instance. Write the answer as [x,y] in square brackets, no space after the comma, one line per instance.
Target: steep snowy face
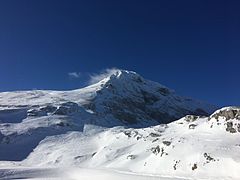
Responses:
[128,97]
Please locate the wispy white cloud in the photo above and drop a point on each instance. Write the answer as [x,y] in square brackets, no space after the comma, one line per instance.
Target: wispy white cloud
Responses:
[74,74]
[94,78]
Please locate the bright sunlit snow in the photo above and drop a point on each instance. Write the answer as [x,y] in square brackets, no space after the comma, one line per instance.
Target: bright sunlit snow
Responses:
[119,128]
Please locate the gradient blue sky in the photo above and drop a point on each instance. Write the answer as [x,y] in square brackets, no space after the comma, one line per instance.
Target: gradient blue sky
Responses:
[190,46]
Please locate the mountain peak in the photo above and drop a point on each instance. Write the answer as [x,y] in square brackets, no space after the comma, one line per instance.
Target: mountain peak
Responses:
[130,81]
[123,75]
[128,97]
[123,95]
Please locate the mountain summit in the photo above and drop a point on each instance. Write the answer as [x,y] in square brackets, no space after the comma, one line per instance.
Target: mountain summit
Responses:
[122,122]
[124,97]
[128,97]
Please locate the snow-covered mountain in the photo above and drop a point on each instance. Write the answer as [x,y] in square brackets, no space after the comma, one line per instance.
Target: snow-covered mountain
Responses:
[123,122]
[124,96]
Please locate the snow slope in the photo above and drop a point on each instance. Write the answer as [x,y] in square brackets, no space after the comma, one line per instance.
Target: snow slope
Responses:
[193,147]
[122,123]
[122,99]
[190,147]
[75,174]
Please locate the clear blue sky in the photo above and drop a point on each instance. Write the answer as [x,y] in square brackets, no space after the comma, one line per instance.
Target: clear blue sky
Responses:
[190,46]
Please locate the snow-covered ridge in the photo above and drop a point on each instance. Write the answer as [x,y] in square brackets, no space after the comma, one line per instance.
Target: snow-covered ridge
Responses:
[123,122]
[192,147]
[229,117]
[227,113]
[124,96]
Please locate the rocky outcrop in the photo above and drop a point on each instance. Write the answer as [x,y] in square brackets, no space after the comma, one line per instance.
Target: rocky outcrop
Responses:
[66,108]
[227,113]
[229,116]
[41,111]
[191,118]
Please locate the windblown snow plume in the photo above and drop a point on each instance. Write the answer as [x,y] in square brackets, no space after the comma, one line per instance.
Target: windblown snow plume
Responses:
[94,78]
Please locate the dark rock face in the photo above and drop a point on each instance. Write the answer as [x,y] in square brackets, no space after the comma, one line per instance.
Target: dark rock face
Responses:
[134,110]
[66,108]
[124,109]
[125,117]
[149,98]
[138,106]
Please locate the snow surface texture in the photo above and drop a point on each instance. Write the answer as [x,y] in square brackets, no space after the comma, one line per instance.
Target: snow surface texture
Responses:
[76,174]
[122,123]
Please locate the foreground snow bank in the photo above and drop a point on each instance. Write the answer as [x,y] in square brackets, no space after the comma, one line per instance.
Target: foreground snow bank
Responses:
[77,173]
